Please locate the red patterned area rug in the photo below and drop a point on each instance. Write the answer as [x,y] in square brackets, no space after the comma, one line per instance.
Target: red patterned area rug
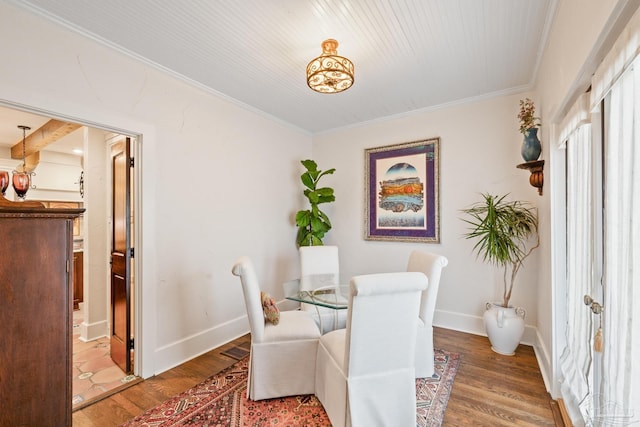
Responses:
[221,401]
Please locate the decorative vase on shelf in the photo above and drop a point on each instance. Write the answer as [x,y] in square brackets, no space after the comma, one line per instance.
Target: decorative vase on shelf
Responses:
[531,148]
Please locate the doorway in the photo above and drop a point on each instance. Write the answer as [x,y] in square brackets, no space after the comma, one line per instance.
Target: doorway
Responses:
[93,318]
[104,362]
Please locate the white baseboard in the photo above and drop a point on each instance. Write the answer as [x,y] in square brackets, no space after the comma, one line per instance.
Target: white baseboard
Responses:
[544,362]
[475,325]
[93,331]
[176,353]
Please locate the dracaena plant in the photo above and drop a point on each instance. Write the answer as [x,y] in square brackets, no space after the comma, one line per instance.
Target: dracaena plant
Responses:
[503,231]
[312,223]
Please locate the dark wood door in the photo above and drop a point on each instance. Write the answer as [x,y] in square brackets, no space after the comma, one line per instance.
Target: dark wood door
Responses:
[121,338]
[78,287]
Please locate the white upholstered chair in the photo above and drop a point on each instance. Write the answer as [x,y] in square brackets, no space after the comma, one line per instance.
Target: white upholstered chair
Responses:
[283,356]
[322,261]
[431,265]
[365,373]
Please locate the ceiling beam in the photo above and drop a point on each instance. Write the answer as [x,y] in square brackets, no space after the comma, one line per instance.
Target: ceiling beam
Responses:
[30,162]
[46,134]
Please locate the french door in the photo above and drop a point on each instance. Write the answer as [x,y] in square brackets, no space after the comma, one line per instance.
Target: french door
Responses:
[600,363]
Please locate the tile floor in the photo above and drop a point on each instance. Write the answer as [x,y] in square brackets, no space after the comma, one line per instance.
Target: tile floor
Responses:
[94,373]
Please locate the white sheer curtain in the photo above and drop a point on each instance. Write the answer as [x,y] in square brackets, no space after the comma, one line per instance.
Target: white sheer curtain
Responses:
[576,360]
[619,396]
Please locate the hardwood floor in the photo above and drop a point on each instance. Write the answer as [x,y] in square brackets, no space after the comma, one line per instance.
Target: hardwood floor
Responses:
[135,400]
[489,389]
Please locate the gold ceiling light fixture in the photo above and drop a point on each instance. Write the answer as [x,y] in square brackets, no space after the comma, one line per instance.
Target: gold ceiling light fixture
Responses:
[330,73]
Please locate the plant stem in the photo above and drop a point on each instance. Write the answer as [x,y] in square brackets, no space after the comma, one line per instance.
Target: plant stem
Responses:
[515,267]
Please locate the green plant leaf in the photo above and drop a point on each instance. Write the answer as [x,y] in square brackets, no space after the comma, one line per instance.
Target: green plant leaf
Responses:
[316,240]
[325,219]
[304,237]
[313,197]
[307,180]
[327,172]
[309,165]
[316,224]
[326,199]
[303,218]
[325,191]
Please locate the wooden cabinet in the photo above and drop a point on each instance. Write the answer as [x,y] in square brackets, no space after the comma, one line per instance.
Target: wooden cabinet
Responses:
[36,274]
[78,269]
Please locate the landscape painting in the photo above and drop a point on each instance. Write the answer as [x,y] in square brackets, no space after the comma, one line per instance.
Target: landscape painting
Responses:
[402,192]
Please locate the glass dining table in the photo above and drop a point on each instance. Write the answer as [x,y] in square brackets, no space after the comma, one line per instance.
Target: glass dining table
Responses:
[319,290]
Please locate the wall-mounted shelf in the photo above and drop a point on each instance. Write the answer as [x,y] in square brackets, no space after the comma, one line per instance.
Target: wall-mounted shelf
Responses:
[536,168]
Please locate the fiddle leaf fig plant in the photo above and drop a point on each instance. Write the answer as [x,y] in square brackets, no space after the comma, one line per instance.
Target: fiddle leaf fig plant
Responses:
[313,223]
[502,230]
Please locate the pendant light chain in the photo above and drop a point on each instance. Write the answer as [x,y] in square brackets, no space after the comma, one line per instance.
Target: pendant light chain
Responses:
[24,149]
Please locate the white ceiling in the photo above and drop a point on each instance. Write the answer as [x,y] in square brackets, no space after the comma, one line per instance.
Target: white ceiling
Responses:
[409,55]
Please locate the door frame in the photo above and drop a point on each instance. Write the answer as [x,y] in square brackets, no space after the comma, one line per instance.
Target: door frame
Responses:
[144,314]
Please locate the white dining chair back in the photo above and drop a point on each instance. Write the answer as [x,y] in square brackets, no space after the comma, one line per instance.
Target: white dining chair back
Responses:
[282,358]
[431,264]
[365,373]
[319,260]
[324,263]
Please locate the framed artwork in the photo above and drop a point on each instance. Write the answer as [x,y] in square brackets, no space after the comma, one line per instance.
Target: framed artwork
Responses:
[402,200]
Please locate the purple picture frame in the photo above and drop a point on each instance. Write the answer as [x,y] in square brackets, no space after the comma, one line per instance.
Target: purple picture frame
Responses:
[402,194]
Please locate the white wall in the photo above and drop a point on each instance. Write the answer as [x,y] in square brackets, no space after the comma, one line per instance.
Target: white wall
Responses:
[96,234]
[479,149]
[217,180]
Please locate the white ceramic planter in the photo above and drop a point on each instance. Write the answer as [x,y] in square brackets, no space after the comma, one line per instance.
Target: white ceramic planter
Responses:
[504,327]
